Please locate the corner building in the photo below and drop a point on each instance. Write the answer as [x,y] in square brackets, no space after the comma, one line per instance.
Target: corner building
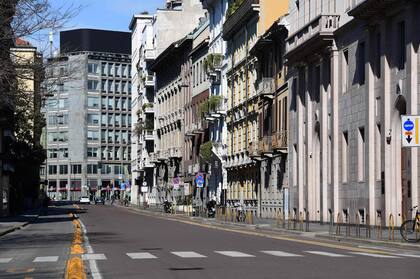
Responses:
[353,72]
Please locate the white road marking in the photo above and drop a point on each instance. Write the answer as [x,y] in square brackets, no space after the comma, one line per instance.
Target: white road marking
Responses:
[375,255]
[188,254]
[408,255]
[88,257]
[327,254]
[92,263]
[50,259]
[141,256]
[234,254]
[5,260]
[280,254]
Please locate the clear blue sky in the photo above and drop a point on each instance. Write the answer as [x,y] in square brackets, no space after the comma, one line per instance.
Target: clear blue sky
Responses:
[97,14]
[108,14]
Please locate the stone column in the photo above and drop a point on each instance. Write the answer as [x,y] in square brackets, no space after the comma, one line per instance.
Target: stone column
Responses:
[300,134]
[335,92]
[310,183]
[324,141]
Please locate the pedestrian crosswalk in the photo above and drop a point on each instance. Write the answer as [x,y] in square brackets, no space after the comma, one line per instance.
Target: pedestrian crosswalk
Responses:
[142,255]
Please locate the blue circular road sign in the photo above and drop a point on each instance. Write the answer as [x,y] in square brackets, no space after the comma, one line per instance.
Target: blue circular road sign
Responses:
[199,179]
[408,125]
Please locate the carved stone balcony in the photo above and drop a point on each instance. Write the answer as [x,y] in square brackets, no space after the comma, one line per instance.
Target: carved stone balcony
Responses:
[313,36]
[265,146]
[235,21]
[253,151]
[266,88]
[279,140]
[175,152]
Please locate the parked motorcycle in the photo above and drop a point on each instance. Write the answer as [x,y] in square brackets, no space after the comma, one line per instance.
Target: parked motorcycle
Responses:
[167,207]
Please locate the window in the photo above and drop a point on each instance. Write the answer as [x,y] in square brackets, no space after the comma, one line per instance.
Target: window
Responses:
[110,103]
[104,119]
[64,169]
[58,136]
[345,70]
[117,87]
[110,86]
[92,152]
[361,63]
[129,88]
[63,103]
[76,169]
[378,165]
[93,119]
[402,55]
[123,70]
[344,156]
[52,153]
[118,170]
[92,168]
[92,135]
[52,169]
[124,87]
[92,68]
[117,70]
[103,69]
[361,154]
[93,102]
[117,104]
[110,120]
[103,86]
[93,85]
[110,69]
[64,153]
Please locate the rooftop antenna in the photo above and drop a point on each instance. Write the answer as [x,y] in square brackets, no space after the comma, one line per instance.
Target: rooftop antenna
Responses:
[51,43]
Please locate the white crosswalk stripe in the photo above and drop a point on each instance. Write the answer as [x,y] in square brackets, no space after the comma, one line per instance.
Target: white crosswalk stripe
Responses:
[280,254]
[49,259]
[234,254]
[95,257]
[5,260]
[188,254]
[327,254]
[375,255]
[141,256]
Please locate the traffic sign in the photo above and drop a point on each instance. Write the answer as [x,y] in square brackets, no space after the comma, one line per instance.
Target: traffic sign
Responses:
[144,183]
[199,179]
[410,130]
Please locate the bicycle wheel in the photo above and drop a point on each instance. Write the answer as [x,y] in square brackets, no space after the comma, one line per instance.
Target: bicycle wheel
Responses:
[409,232]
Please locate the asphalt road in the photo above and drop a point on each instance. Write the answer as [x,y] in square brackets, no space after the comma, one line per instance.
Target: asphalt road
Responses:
[40,250]
[133,245]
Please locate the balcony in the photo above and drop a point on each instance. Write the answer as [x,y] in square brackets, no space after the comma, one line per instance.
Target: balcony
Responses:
[279,140]
[238,17]
[153,158]
[198,127]
[149,135]
[266,88]
[265,146]
[175,152]
[366,9]
[149,81]
[220,150]
[315,35]
[162,155]
[148,108]
[253,151]
[149,54]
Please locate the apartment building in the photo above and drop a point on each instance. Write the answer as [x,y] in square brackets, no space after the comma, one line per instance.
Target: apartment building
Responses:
[271,151]
[88,115]
[196,108]
[216,67]
[241,29]
[142,108]
[353,72]
[169,24]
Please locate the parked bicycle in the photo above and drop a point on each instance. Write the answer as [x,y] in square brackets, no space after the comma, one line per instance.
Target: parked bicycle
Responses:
[410,229]
[240,213]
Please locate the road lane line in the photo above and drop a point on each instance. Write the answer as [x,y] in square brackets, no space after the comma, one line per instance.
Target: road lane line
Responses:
[5,260]
[141,256]
[234,254]
[49,259]
[280,254]
[188,254]
[327,254]
[96,257]
[94,270]
[376,255]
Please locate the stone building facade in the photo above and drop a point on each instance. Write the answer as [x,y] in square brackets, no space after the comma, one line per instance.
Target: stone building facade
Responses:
[349,89]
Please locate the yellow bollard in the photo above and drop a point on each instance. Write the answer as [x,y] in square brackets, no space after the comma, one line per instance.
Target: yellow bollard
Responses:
[391,235]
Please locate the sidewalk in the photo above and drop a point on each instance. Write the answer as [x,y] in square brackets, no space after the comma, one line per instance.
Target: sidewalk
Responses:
[11,224]
[318,231]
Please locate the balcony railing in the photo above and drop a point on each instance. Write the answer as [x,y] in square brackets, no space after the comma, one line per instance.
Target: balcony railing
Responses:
[149,135]
[279,140]
[150,80]
[175,152]
[149,54]
[265,145]
[321,26]
[266,87]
